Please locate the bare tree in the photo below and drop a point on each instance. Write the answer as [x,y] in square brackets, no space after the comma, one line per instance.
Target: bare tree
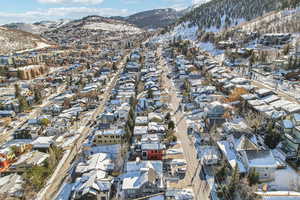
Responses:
[254,120]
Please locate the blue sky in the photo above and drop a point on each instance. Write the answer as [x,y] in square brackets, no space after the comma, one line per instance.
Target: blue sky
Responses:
[37,10]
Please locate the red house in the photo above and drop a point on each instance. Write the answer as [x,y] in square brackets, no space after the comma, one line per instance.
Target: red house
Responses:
[152,151]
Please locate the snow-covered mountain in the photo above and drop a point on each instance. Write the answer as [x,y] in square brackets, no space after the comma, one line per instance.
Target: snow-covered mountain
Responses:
[91,29]
[152,19]
[217,15]
[12,41]
[37,27]
[196,3]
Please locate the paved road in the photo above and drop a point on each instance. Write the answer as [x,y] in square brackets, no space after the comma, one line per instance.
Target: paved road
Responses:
[279,93]
[54,183]
[6,136]
[192,178]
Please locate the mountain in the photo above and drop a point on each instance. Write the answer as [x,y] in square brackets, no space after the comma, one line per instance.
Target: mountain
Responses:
[38,27]
[92,29]
[12,41]
[153,19]
[217,15]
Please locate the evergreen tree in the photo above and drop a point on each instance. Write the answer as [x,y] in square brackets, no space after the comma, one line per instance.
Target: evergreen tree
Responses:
[234,180]
[272,138]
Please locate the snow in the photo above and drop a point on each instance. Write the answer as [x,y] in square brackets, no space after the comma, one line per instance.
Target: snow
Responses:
[231,156]
[174,151]
[112,27]
[285,179]
[209,47]
[39,45]
[185,30]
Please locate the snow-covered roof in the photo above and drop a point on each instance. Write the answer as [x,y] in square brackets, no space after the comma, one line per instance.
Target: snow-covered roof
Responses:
[133,166]
[271,98]
[140,130]
[261,158]
[296,117]
[231,156]
[287,124]
[43,142]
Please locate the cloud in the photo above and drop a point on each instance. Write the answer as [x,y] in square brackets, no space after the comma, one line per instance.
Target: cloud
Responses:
[59,13]
[71,1]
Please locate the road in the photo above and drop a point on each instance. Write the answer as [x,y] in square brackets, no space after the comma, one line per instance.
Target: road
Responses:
[6,136]
[192,178]
[57,178]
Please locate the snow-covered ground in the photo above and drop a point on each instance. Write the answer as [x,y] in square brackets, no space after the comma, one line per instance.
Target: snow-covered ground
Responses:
[40,45]
[185,30]
[113,27]
[209,47]
[285,179]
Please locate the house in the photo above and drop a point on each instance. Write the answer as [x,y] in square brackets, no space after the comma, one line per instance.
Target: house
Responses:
[215,113]
[244,152]
[140,130]
[12,185]
[275,39]
[7,113]
[92,180]
[152,151]
[263,92]
[43,143]
[28,160]
[142,178]
[108,136]
[262,162]
[141,121]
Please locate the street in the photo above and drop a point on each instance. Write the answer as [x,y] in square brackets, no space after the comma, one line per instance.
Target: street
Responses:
[192,177]
[53,184]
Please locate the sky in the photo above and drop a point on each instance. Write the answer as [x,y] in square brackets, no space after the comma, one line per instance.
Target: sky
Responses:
[38,10]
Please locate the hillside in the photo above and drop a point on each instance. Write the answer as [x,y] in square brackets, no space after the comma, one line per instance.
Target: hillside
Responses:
[286,21]
[220,14]
[12,41]
[217,15]
[92,29]
[153,19]
[38,27]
